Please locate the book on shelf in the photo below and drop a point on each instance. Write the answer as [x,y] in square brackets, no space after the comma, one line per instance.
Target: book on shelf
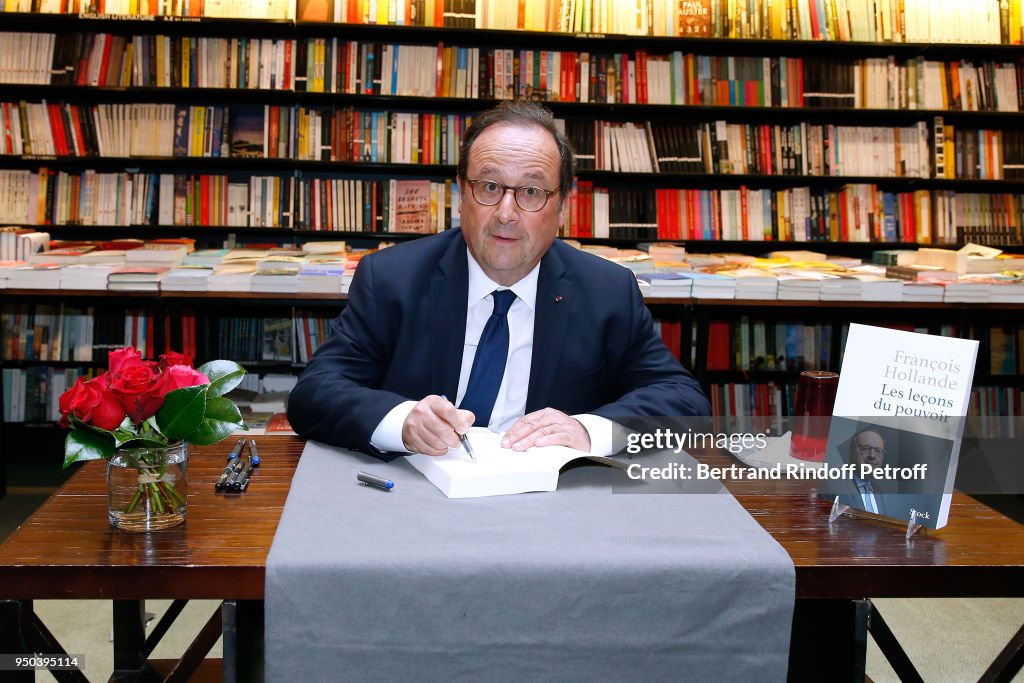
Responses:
[88,276]
[897,425]
[64,256]
[186,279]
[270,401]
[255,422]
[499,471]
[279,424]
[247,131]
[277,339]
[411,209]
[135,277]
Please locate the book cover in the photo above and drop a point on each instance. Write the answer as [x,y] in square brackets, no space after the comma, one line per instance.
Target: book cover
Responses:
[278,424]
[894,438]
[246,126]
[277,339]
[412,206]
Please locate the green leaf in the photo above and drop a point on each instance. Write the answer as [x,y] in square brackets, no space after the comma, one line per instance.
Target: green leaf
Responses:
[142,442]
[224,376]
[84,444]
[222,417]
[182,412]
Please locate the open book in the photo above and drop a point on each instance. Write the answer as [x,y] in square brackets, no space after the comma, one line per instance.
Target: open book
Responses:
[499,471]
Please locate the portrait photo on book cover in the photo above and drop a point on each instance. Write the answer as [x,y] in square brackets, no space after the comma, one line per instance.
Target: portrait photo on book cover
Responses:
[885,468]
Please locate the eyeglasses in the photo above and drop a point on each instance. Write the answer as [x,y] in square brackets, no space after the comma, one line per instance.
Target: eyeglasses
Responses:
[528,197]
[868,450]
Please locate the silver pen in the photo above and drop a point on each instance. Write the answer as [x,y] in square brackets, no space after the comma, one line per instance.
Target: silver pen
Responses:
[464,440]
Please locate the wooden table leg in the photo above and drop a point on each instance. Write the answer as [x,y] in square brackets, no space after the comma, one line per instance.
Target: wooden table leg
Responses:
[1009,661]
[243,640]
[12,640]
[130,662]
[891,648]
[829,640]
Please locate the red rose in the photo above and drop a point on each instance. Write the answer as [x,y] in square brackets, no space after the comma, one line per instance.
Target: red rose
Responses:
[124,358]
[138,389]
[178,376]
[172,358]
[92,403]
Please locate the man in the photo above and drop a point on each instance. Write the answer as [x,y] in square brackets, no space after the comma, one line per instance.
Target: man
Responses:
[565,333]
[866,448]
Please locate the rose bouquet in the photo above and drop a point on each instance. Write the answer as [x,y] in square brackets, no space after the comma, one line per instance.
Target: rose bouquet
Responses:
[139,405]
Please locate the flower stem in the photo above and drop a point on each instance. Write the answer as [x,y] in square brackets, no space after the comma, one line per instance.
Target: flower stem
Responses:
[135,499]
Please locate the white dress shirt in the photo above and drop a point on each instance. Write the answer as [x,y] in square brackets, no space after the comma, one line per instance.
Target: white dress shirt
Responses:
[510,404]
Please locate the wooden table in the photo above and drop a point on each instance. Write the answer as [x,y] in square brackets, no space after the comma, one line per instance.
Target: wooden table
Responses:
[66,550]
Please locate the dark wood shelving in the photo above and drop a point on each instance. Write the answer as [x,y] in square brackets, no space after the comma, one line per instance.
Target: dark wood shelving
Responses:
[694,314]
[266,28]
[612,111]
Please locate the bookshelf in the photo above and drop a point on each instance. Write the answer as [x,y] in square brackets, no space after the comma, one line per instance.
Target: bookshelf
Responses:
[738,134]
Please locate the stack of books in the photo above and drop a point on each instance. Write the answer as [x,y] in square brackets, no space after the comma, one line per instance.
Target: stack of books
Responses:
[186,279]
[88,276]
[135,278]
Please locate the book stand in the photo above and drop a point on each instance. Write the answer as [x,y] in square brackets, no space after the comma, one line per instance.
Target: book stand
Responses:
[838,510]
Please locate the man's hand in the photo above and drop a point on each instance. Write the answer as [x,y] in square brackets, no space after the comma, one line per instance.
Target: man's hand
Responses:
[434,426]
[547,427]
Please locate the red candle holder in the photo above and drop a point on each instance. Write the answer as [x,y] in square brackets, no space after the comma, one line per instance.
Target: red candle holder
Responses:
[815,397]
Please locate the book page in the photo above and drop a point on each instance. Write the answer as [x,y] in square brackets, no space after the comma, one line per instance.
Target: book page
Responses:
[497,471]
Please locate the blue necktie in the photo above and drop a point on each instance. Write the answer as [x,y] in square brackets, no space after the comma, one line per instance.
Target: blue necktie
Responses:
[489,361]
[869,501]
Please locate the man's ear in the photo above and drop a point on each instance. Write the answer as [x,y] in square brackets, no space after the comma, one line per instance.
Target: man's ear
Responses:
[463,188]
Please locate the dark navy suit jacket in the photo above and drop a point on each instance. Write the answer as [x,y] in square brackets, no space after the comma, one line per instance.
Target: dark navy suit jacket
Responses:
[401,337]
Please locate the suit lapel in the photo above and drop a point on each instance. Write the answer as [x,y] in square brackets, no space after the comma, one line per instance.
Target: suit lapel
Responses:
[448,319]
[554,302]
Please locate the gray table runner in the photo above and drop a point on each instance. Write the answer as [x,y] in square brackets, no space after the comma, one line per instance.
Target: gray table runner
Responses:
[576,585]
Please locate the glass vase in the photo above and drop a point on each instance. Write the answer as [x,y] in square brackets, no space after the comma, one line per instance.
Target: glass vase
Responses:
[147,488]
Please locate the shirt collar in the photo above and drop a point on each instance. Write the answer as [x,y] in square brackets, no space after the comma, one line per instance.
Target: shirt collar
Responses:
[481,286]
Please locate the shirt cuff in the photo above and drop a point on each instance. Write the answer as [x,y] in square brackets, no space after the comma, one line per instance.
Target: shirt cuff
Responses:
[601,431]
[388,434]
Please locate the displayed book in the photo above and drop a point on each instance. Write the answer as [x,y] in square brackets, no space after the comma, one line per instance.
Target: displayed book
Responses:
[204,257]
[324,247]
[499,471]
[894,437]
[135,278]
[6,266]
[270,401]
[712,286]
[657,285]
[35,276]
[233,276]
[282,280]
[104,256]
[65,255]
[256,421]
[89,276]
[279,424]
[186,279]
[322,278]
[157,254]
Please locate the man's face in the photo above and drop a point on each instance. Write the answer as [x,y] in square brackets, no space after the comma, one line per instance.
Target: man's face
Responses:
[504,239]
[869,449]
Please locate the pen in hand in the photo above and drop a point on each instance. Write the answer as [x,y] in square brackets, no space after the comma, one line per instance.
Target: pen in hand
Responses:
[464,440]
